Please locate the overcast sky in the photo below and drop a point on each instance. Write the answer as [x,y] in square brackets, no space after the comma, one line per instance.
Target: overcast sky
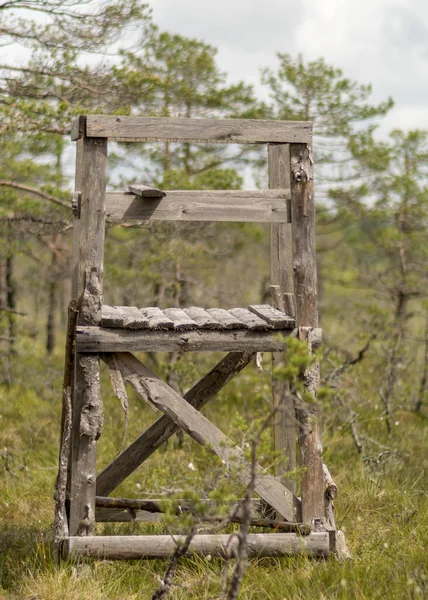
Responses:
[382,42]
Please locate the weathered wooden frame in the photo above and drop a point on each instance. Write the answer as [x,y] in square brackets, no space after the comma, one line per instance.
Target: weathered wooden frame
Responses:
[288,206]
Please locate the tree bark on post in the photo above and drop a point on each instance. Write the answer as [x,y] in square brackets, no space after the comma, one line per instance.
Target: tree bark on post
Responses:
[305,290]
[88,251]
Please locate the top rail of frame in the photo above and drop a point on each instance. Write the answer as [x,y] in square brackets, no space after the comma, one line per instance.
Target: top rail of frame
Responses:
[209,131]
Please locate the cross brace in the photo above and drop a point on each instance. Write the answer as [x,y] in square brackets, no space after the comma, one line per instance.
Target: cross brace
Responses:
[148,385]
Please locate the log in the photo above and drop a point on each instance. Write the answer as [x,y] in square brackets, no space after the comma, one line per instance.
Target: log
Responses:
[163,546]
[305,294]
[162,429]
[213,131]
[157,392]
[60,521]
[87,263]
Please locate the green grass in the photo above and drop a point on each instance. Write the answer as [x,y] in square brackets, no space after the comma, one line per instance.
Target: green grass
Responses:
[382,509]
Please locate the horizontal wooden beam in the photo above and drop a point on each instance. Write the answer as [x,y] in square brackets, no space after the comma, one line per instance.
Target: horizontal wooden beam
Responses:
[211,131]
[244,206]
[99,339]
[163,546]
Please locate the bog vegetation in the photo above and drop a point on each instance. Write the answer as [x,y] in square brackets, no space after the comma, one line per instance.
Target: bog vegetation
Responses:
[372,219]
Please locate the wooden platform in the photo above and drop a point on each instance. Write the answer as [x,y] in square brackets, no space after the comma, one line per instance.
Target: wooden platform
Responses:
[126,329]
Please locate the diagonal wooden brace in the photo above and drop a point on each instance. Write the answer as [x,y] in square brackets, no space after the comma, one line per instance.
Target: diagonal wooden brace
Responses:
[162,429]
[156,391]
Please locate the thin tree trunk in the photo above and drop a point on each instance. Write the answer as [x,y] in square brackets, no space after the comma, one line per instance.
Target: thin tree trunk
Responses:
[11,300]
[424,378]
[52,306]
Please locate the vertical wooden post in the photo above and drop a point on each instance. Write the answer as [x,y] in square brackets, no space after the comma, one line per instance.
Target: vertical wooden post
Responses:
[88,254]
[282,280]
[305,290]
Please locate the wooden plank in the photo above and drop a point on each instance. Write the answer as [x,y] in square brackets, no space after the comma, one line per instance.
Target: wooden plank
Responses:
[182,322]
[273,316]
[162,396]
[212,131]
[227,320]
[282,282]
[162,429]
[134,318]
[78,128]
[97,339]
[112,316]
[305,290]
[163,546]
[174,507]
[125,510]
[125,515]
[203,318]
[258,206]
[145,191]
[88,254]
[253,322]
[156,318]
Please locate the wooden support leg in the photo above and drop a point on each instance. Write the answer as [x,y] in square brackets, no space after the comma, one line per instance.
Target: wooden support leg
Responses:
[158,433]
[281,267]
[158,393]
[87,425]
[306,298]
[87,265]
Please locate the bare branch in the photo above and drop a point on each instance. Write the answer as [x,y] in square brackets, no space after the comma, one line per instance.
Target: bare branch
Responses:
[35,191]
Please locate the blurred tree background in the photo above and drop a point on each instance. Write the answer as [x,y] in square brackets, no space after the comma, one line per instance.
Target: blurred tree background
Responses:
[371,198]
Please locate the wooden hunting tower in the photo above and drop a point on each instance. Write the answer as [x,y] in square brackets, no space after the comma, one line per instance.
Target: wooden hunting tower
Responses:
[302,525]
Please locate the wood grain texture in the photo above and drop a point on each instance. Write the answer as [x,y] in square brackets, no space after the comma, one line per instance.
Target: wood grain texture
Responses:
[212,131]
[156,318]
[244,206]
[162,429]
[182,321]
[112,316]
[226,319]
[88,255]
[98,339]
[163,546]
[203,318]
[145,191]
[253,321]
[282,282]
[157,392]
[273,316]
[306,299]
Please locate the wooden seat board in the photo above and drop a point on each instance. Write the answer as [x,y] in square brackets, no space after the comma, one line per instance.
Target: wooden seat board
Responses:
[273,316]
[182,322]
[226,319]
[203,318]
[112,316]
[156,318]
[254,322]
[134,318]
